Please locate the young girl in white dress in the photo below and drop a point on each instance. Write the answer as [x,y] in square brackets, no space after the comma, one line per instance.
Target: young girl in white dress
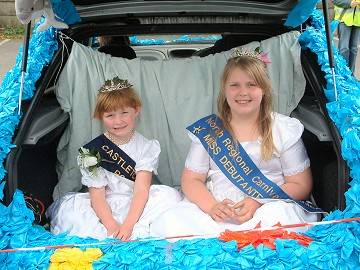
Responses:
[273,142]
[121,202]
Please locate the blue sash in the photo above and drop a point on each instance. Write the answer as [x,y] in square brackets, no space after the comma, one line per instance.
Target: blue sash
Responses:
[236,164]
[113,158]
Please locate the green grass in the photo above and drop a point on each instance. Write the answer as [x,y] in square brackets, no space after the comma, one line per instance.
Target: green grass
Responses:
[12,32]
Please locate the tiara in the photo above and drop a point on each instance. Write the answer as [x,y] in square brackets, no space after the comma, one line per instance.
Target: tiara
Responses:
[115,84]
[257,54]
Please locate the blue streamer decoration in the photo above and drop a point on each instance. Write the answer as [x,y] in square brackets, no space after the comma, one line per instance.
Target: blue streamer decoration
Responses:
[341,238]
[335,246]
[300,13]
[41,50]
[65,11]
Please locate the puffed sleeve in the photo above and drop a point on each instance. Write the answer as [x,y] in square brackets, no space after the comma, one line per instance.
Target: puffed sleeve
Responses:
[295,159]
[97,179]
[149,160]
[288,142]
[197,160]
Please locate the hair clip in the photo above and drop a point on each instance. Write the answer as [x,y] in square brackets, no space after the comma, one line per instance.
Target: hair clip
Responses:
[115,84]
[257,54]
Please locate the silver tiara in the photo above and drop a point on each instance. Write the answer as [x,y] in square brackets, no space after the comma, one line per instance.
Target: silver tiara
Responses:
[257,54]
[115,84]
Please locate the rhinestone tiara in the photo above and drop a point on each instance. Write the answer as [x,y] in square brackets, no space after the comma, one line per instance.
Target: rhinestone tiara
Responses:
[257,54]
[115,84]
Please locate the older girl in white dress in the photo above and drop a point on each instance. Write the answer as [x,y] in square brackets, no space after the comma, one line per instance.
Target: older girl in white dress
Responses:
[213,203]
[121,201]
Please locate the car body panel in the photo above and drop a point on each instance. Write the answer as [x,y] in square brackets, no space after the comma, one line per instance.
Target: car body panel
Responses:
[93,9]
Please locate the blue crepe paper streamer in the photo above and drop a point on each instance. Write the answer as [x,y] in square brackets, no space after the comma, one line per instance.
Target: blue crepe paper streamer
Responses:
[41,50]
[42,46]
[65,11]
[300,13]
[334,247]
[345,112]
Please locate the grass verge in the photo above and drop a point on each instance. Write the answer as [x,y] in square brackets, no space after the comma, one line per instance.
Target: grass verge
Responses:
[11,32]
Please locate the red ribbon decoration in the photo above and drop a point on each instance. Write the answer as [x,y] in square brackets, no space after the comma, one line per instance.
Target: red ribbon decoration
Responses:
[267,237]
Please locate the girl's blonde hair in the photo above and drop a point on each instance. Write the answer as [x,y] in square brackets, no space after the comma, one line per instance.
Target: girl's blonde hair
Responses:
[117,99]
[256,70]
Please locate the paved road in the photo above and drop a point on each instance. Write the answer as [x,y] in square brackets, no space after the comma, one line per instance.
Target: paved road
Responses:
[9,50]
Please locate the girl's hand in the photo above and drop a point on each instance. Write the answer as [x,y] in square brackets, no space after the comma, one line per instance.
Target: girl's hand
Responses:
[245,209]
[354,3]
[113,228]
[222,211]
[124,232]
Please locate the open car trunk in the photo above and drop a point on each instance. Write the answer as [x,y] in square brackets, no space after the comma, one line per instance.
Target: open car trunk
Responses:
[33,166]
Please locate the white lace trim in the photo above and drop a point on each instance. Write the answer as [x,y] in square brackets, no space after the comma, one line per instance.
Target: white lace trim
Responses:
[197,170]
[300,168]
[93,183]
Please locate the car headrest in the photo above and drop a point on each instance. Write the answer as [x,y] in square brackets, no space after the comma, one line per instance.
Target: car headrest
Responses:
[123,51]
[228,42]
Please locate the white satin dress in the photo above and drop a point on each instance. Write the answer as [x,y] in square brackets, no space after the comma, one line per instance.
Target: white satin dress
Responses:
[291,158]
[73,212]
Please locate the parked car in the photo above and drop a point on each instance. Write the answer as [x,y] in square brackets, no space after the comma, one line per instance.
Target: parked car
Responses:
[33,165]
[159,37]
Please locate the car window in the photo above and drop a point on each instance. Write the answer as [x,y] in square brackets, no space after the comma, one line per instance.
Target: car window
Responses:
[174,39]
[147,40]
[154,47]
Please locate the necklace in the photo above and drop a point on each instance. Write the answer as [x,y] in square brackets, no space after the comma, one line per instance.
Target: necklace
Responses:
[119,142]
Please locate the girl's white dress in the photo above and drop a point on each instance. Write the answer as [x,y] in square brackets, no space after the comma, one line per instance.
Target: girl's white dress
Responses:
[291,158]
[73,212]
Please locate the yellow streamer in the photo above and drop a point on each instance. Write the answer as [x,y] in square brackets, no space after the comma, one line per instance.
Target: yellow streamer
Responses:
[74,259]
